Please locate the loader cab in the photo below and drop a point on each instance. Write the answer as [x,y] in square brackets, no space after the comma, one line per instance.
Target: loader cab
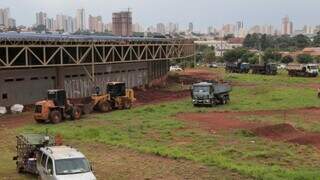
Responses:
[116,89]
[58,96]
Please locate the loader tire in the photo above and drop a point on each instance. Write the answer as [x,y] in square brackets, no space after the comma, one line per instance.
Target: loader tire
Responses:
[104,107]
[127,105]
[87,109]
[55,117]
[76,113]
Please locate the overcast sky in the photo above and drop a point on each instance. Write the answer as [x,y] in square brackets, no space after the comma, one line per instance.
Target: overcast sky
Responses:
[202,13]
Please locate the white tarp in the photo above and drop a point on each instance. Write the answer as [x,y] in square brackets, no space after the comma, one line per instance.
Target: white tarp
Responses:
[3,110]
[17,108]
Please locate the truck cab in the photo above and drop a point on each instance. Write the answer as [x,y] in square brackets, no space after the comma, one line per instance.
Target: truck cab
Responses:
[63,163]
[244,67]
[271,68]
[312,69]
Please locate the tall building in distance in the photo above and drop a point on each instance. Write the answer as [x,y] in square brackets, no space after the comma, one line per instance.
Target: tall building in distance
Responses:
[190,27]
[96,24]
[173,28]
[11,23]
[161,28]
[80,20]
[228,29]
[287,26]
[50,24]
[122,23]
[41,18]
[4,17]
[239,26]
[137,27]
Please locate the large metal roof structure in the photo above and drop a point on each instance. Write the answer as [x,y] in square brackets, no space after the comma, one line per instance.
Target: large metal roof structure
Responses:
[25,50]
[14,36]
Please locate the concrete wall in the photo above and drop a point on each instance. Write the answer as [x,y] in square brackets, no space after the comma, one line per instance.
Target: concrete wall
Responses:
[26,86]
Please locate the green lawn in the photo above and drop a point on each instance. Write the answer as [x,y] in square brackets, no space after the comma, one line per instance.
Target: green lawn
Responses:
[154,129]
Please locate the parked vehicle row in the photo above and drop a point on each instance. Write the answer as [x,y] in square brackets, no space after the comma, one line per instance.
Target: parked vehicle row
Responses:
[300,70]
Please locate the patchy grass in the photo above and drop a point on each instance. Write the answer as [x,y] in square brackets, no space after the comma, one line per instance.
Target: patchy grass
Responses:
[154,130]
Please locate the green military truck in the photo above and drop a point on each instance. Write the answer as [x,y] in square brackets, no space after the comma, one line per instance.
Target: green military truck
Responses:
[266,68]
[210,93]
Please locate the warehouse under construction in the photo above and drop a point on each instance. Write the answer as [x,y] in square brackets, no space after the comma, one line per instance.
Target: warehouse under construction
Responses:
[30,64]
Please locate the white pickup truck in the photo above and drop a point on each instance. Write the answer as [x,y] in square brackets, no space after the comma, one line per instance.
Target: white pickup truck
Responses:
[63,163]
[38,154]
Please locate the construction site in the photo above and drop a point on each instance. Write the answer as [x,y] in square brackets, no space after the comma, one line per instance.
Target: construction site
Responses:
[266,128]
[32,64]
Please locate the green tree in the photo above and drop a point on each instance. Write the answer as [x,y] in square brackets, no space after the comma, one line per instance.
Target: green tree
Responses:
[247,42]
[287,59]
[246,56]
[234,55]
[304,58]
[316,40]
[301,41]
[271,55]
[317,59]
[209,54]
[254,59]
[266,42]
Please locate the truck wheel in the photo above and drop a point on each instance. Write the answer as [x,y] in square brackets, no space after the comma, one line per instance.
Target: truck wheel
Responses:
[87,108]
[55,117]
[76,113]
[223,101]
[104,107]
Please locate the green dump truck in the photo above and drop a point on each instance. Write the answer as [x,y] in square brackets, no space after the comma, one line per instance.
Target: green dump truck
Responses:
[210,93]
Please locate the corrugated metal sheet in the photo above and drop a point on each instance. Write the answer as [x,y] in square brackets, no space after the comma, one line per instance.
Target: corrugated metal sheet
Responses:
[30,85]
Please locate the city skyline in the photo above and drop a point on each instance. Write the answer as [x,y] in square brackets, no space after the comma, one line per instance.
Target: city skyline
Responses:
[231,11]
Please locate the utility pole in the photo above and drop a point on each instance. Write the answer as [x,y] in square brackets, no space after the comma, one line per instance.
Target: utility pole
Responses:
[195,55]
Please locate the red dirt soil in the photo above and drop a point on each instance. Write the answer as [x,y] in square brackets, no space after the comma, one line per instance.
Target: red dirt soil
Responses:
[216,121]
[309,139]
[191,76]
[226,121]
[157,93]
[151,96]
[16,120]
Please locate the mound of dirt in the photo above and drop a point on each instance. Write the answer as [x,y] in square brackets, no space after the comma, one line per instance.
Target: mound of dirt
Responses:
[277,132]
[311,139]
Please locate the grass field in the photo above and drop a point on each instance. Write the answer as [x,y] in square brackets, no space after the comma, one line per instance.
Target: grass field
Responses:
[154,130]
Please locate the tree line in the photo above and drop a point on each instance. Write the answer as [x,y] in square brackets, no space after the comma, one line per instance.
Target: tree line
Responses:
[267,48]
[282,43]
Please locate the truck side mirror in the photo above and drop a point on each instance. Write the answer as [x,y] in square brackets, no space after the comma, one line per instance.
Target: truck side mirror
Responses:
[92,166]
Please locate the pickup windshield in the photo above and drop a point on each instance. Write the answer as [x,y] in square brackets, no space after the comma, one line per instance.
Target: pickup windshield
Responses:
[72,166]
[313,67]
[201,89]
